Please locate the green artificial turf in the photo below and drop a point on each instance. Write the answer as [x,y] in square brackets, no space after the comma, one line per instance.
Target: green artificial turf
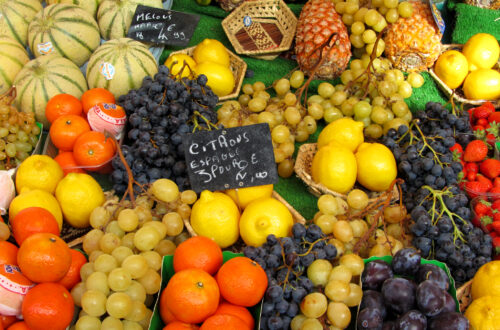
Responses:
[470,20]
[209,26]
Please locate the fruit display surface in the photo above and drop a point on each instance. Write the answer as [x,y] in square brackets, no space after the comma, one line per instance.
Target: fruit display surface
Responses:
[104,230]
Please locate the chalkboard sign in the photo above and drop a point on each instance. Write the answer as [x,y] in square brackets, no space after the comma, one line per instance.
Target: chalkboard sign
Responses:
[162,26]
[230,158]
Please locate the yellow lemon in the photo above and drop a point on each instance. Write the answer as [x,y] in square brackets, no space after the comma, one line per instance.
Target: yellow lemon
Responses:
[345,131]
[243,196]
[452,68]
[176,62]
[220,78]
[211,50]
[334,166]
[216,216]
[484,313]
[36,198]
[481,51]
[486,281]
[482,84]
[376,166]
[262,217]
[38,172]
[78,194]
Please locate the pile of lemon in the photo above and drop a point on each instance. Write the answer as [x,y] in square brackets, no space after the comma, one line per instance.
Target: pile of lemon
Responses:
[472,68]
[210,58]
[344,158]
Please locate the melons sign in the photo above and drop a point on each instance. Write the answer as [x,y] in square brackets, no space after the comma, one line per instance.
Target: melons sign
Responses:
[162,26]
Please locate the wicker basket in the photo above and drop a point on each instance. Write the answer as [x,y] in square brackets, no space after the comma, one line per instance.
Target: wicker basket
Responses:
[464,296]
[297,217]
[459,94]
[488,4]
[238,68]
[261,27]
[302,168]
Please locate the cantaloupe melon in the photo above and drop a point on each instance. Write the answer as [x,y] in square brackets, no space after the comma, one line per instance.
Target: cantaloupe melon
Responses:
[13,57]
[43,78]
[15,16]
[64,29]
[115,16]
[120,65]
[89,5]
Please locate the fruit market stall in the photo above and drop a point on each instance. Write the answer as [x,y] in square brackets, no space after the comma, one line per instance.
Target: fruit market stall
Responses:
[249,164]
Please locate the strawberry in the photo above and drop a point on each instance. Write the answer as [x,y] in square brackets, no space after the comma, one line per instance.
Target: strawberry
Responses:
[493,234]
[488,105]
[482,207]
[496,205]
[496,244]
[487,182]
[496,226]
[495,191]
[490,138]
[471,176]
[483,112]
[490,168]
[478,129]
[475,151]
[496,217]
[457,151]
[486,221]
[475,188]
[482,121]
[494,117]
[471,167]
[496,182]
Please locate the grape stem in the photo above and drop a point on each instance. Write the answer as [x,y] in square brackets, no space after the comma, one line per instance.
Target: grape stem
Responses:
[210,125]
[437,196]
[423,139]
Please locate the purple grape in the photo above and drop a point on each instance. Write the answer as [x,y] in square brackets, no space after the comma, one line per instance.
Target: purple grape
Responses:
[430,298]
[449,321]
[370,319]
[373,299]
[399,294]
[433,273]
[375,273]
[412,320]
[406,262]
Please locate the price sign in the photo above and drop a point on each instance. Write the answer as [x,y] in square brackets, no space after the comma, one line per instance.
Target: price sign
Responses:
[230,158]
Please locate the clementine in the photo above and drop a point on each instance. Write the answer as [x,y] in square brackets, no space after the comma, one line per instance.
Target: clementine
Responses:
[180,326]
[94,96]
[165,314]
[72,277]
[66,129]
[191,295]
[238,311]
[198,252]
[44,257]
[33,220]
[93,150]
[67,161]
[19,326]
[224,321]
[7,321]
[242,281]
[48,306]
[8,253]
[62,104]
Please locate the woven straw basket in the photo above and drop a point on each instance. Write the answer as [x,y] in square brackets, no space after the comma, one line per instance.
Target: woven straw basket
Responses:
[303,170]
[459,94]
[297,217]
[464,296]
[238,68]
[488,4]
[261,28]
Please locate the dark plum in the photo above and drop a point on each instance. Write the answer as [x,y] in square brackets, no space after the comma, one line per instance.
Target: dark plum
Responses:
[449,321]
[430,298]
[399,294]
[370,319]
[373,299]
[433,273]
[389,325]
[375,273]
[406,262]
[412,320]
[449,303]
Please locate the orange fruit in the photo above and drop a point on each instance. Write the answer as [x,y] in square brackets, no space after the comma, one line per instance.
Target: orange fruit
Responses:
[66,129]
[62,104]
[7,321]
[180,326]
[48,306]
[8,253]
[191,295]
[33,220]
[19,326]
[44,257]
[67,161]
[72,277]
[165,314]
[93,149]
[238,311]
[242,281]
[94,96]
[198,252]
[224,321]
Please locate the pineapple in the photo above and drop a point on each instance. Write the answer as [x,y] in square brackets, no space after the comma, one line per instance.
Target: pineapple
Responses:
[317,22]
[414,43]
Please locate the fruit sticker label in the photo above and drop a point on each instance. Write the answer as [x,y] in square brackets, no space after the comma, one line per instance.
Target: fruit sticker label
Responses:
[45,48]
[107,70]
[247,21]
